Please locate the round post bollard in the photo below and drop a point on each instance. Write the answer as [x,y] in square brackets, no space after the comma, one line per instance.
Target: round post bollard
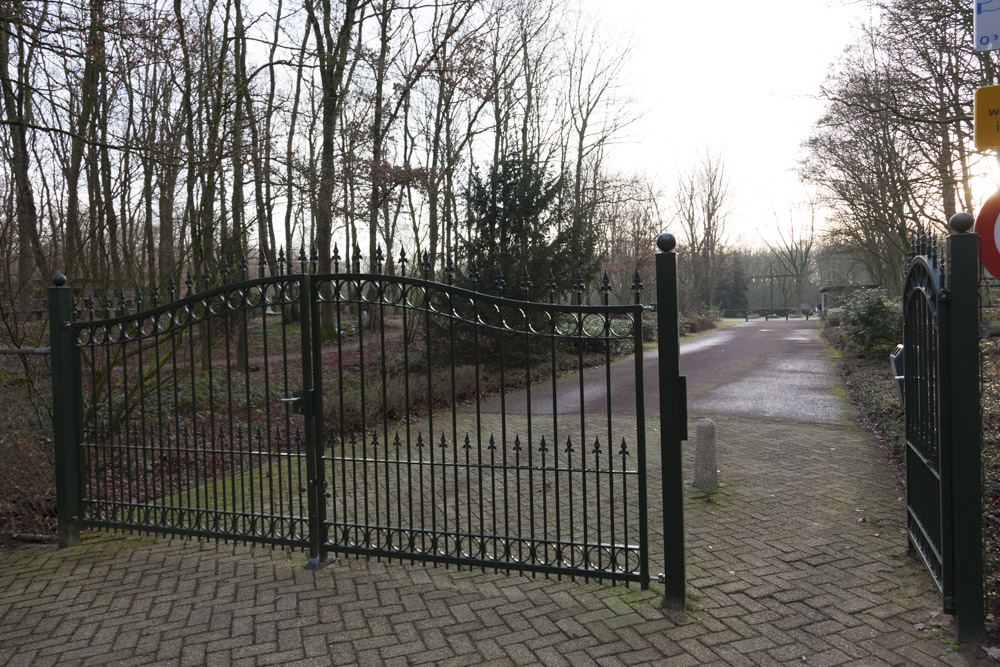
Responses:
[705,471]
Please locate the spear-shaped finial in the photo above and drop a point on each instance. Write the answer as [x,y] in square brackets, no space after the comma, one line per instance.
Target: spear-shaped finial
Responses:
[474,275]
[636,283]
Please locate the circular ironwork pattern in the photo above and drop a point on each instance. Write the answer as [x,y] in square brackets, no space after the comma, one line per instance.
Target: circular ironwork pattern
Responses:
[175,317]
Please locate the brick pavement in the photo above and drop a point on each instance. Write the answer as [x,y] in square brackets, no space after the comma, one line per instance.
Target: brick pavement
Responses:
[800,558]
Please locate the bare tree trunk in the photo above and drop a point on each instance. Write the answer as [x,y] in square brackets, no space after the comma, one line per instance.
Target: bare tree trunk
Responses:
[29,250]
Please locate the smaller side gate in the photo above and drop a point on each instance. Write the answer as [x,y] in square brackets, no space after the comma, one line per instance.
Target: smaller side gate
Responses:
[943,427]
[343,413]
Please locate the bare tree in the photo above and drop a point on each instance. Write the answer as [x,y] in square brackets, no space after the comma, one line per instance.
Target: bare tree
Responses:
[701,205]
[793,249]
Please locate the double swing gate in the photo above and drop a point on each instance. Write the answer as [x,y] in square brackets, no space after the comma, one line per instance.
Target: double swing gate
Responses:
[378,415]
[941,401]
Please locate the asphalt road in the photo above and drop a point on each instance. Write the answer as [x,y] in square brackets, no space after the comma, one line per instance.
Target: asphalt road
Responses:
[773,370]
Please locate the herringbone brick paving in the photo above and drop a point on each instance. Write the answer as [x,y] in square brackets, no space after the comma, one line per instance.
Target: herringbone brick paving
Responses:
[800,558]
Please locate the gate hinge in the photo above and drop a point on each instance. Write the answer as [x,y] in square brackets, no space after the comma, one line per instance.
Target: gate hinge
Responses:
[651,307]
[302,402]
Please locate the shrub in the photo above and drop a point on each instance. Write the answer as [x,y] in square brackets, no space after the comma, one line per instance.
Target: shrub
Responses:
[649,328]
[872,322]
[698,321]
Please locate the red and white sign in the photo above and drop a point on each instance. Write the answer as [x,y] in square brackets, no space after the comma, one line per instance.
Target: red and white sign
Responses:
[989,234]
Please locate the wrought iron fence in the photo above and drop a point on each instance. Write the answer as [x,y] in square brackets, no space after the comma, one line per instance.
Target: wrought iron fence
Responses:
[365,413]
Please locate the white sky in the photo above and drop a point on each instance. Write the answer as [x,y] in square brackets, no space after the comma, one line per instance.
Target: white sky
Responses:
[732,77]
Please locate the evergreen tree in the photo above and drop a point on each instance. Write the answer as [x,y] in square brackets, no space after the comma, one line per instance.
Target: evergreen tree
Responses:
[515,227]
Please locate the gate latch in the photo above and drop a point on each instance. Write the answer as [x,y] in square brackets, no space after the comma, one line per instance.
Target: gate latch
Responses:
[302,402]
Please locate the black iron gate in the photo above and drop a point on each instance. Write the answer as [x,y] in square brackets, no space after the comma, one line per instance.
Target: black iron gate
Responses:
[344,413]
[941,400]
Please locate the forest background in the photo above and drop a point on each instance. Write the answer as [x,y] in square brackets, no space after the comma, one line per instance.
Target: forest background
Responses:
[142,140]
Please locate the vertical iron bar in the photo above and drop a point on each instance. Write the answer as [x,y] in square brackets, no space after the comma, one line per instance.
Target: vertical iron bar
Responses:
[554,331]
[503,426]
[581,319]
[385,410]
[363,519]
[315,418]
[430,415]
[964,438]
[640,437]
[342,518]
[672,431]
[265,433]
[126,441]
[309,329]
[479,422]
[66,413]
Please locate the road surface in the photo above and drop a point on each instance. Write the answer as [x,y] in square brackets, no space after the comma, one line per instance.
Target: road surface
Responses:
[774,370]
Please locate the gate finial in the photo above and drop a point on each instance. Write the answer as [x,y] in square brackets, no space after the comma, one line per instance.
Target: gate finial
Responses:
[960,223]
[474,275]
[666,242]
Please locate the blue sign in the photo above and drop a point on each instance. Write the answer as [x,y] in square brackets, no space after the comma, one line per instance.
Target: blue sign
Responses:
[986,25]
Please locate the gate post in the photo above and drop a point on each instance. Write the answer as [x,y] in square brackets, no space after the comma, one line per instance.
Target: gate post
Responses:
[312,410]
[964,427]
[67,396]
[673,422]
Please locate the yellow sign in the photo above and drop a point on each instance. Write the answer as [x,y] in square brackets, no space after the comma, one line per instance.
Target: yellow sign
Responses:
[986,117]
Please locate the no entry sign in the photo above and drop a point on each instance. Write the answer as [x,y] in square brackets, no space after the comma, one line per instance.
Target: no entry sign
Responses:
[989,233]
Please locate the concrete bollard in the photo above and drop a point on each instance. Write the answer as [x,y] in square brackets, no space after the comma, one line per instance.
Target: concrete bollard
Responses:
[705,471]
